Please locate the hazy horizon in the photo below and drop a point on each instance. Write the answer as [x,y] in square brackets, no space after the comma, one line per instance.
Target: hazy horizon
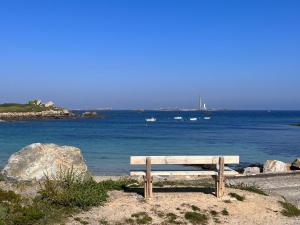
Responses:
[151,54]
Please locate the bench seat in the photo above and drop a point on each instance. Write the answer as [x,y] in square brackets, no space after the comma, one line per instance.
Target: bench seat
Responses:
[183,173]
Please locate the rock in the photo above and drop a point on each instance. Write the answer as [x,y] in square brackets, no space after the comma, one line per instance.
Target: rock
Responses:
[89,114]
[251,170]
[48,114]
[35,160]
[275,166]
[296,164]
[49,104]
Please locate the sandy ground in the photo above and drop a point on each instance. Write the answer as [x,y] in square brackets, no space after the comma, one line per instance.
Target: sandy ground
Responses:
[255,209]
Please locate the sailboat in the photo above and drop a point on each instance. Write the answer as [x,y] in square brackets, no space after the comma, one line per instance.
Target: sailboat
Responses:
[151,120]
[178,118]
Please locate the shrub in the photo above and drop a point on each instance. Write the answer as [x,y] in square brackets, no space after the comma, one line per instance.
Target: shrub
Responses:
[289,209]
[237,196]
[72,190]
[59,198]
[225,212]
[196,218]
[142,218]
[250,188]
[195,208]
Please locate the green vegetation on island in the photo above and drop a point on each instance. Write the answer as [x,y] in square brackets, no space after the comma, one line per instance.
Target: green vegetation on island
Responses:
[31,106]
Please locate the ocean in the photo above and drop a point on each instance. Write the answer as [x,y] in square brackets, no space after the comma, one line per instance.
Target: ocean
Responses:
[107,143]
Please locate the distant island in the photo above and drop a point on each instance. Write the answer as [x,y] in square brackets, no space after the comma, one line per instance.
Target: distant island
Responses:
[33,109]
[295,124]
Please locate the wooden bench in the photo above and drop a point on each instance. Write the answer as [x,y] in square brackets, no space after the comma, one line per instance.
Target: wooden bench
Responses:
[219,173]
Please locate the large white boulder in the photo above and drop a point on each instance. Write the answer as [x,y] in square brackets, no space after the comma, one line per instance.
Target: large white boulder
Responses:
[35,160]
[251,170]
[275,166]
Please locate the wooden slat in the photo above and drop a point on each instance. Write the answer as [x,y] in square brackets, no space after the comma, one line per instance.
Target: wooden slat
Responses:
[140,160]
[182,173]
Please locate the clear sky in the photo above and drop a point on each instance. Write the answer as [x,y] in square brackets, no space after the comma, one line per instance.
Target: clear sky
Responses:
[151,54]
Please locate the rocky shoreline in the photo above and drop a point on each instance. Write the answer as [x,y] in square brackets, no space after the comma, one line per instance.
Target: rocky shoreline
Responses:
[49,114]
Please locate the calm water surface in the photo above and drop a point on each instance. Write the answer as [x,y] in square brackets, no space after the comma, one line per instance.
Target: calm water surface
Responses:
[107,143]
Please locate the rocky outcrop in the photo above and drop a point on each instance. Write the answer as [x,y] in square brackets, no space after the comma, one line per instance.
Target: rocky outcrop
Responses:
[275,166]
[296,164]
[89,114]
[251,170]
[35,160]
[49,114]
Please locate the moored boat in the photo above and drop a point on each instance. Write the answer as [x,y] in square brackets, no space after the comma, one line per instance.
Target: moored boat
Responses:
[178,118]
[152,119]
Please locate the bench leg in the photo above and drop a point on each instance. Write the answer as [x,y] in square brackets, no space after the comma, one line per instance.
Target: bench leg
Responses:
[148,187]
[148,179]
[220,184]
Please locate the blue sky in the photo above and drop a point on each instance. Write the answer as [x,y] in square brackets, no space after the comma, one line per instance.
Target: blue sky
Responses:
[151,54]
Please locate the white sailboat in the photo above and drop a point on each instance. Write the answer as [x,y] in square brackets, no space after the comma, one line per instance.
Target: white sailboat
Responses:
[178,118]
[193,119]
[151,120]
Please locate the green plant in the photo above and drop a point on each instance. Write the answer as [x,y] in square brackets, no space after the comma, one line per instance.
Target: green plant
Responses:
[225,212]
[196,218]
[250,188]
[236,196]
[195,208]
[129,221]
[103,221]
[9,196]
[74,190]
[171,218]
[289,209]
[214,213]
[142,218]
[60,197]
[227,201]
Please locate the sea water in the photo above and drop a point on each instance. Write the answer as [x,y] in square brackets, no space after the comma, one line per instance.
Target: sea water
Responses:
[108,142]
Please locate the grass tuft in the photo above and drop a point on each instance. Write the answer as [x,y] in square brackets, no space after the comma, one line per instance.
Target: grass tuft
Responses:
[59,198]
[237,196]
[289,209]
[227,201]
[103,221]
[250,188]
[195,208]
[172,218]
[225,212]
[214,213]
[142,218]
[196,218]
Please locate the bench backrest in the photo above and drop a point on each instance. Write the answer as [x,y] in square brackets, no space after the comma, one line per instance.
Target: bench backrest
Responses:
[141,160]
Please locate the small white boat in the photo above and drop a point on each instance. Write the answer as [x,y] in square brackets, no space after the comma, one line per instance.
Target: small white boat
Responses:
[207,118]
[152,119]
[193,119]
[178,118]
